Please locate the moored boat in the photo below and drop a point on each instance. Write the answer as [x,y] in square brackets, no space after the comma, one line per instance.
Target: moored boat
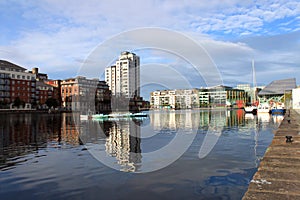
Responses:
[99,116]
[278,109]
[250,109]
[139,114]
[263,108]
[85,117]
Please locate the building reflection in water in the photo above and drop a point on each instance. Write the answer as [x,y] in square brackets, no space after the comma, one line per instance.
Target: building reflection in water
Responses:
[124,143]
[195,119]
[123,136]
[120,137]
[22,134]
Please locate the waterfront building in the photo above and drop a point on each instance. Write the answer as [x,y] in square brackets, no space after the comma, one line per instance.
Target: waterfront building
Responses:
[123,78]
[43,93]
[5,87]
[56,84]
[187,99]
[102,98]
[217,96]
[83,94]
[203,97]
[251,92]
[221,96]
[175,99]
[78,93]
[278,91]
[16,84]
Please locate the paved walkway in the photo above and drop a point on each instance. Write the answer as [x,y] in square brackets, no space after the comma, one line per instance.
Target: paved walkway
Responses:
[278,176]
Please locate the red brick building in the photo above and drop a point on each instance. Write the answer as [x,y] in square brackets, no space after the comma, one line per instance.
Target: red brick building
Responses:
[16,83]
[56,84]
[43,93]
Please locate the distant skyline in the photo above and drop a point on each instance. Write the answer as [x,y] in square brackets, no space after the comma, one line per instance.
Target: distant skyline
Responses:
[57,36]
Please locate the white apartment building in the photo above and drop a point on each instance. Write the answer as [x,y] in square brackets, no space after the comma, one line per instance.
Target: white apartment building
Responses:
[123,78]
[216,96]
[174,99]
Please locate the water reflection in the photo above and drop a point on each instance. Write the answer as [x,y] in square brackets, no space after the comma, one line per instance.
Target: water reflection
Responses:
[195,119]
[124,143]
[47,150]
[27,133]
[126,139]
[22,134]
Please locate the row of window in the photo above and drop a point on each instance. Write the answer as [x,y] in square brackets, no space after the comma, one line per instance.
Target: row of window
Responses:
[6,82]
[22,77]
[22,94]
[68,90]
[11,69]
[3,75]
[4,87]
[4,94]
[23,89]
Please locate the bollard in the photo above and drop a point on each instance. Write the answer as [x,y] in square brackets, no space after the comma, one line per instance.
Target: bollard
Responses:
[289,138]
[288,119]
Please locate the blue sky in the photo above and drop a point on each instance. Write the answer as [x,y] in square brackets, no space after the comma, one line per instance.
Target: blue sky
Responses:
[58,35]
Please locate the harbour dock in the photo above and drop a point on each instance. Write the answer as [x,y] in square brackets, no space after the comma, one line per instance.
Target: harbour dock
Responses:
[278,176]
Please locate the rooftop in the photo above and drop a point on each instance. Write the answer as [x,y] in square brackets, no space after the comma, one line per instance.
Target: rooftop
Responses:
[278,87]
[5,64]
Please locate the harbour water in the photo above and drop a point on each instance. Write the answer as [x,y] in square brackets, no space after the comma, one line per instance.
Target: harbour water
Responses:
[191,154]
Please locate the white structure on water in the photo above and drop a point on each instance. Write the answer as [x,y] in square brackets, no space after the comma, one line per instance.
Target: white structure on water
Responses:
[124,77]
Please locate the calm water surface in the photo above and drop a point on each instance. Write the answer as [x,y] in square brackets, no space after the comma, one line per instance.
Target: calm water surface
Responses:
[57,156]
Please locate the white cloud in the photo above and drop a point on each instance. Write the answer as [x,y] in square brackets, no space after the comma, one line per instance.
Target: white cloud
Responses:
[64,32]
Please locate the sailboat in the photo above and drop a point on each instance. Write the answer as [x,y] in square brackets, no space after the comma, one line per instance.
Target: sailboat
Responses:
[253,107]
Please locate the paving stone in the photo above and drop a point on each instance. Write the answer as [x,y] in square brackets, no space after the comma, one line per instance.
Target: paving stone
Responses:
[278,176]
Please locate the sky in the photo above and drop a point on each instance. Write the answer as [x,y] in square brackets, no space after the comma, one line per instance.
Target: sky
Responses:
[58,36]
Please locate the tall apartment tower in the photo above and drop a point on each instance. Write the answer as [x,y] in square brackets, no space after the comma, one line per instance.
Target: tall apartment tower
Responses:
[124,77]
